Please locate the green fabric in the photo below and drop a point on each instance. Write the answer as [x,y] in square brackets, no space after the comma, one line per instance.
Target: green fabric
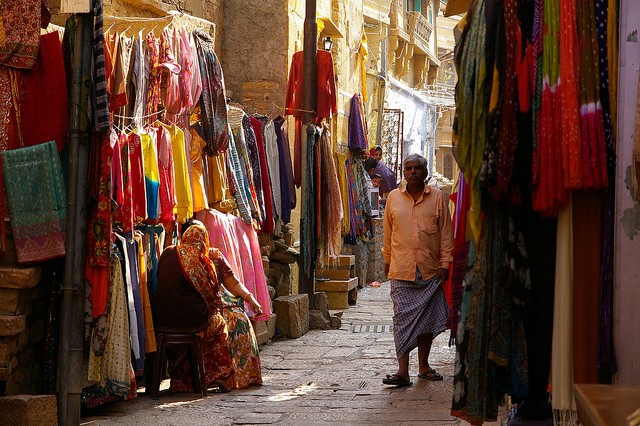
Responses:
[36,201]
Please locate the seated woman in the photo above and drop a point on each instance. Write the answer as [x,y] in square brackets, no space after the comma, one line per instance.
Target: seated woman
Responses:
[195,293]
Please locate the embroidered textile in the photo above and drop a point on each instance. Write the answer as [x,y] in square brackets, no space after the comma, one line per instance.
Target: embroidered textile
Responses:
[19,32]
[36,201]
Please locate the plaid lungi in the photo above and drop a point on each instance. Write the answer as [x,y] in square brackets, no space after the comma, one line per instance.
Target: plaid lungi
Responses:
[419,307]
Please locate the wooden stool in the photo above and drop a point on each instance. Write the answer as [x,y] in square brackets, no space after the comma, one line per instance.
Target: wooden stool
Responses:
[172,337]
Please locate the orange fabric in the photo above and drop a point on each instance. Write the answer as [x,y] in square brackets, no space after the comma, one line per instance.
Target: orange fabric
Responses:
[196,266]
[568,94]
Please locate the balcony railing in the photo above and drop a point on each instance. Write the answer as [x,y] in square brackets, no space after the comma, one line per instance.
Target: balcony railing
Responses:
[419,30]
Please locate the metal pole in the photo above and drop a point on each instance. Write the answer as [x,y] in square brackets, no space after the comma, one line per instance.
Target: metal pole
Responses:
[70,360]
[309,104]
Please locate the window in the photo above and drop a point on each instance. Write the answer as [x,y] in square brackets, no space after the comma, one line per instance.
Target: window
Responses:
[448,167]
[414,5]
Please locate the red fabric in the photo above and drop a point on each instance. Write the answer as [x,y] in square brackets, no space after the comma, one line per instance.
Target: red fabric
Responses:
[326,85]
[326,103]
[44,113]
[137,177]
[268,222]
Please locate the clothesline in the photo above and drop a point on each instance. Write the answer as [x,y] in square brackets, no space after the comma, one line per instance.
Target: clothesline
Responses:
[143,116]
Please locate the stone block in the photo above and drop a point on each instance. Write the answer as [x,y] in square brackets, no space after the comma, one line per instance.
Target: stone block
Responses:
[7,348]
[5,372]
[261,331]
[264,239]
[23,338]
[10,325]
[337,291]
[292,315]
[29,410]
[283,290]
[272,292]
[9,300]
[21,278]
[271,325]
[289,239]
[317,321]
[321,303]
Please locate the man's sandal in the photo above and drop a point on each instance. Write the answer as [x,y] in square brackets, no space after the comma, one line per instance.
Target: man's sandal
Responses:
[431,374]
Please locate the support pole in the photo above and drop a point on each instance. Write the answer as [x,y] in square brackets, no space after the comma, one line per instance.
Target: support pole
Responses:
[309,104]
[70,359]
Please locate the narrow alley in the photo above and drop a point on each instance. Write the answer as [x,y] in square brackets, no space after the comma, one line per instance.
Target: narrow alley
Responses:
[324,377]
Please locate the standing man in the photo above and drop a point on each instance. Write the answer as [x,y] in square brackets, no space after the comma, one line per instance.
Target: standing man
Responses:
[418,249]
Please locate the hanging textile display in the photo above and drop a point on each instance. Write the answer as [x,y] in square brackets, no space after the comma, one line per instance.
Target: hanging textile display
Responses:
[36,201]
[534,139]
[326,100]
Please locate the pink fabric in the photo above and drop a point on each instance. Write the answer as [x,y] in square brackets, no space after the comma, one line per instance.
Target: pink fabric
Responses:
[222,236]
[116,170]
[238,242]
[255,279]
[138,190]
[166,195]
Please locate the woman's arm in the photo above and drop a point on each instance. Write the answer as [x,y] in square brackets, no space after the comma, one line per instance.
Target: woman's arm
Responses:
[238,289]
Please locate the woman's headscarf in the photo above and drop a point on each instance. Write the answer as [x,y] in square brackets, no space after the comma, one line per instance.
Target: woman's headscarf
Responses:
[198,269]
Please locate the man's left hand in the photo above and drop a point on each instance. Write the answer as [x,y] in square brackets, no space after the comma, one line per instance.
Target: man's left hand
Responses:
[441,275]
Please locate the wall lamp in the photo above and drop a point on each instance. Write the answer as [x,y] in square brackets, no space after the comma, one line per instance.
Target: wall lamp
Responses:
[327,43]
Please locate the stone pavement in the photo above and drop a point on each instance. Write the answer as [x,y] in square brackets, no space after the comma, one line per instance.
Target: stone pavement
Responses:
[324,377]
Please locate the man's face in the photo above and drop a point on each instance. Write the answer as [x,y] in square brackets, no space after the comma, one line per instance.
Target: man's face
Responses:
[414,171]
[375,182]
[377,155]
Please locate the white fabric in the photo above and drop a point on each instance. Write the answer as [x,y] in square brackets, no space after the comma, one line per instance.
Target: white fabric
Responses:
[562,398]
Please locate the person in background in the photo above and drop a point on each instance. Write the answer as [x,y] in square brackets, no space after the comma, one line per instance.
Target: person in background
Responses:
[388,181]
[196,293]
[418,249]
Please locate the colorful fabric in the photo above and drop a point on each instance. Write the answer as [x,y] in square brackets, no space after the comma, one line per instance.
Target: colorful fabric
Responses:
[19,33]
[193,254]
[419,308]
[491,350]
[213,101]
[36,201]
[151,171]
[112,369]
[471,99]
[243,344]
[331,198]
[268,222]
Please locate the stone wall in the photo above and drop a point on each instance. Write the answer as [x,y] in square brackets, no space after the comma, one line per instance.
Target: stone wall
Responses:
[23,319]
[254,53]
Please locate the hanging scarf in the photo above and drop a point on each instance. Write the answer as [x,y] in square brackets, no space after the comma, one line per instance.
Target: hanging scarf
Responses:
[213,101]
[594,172]
[471,102]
